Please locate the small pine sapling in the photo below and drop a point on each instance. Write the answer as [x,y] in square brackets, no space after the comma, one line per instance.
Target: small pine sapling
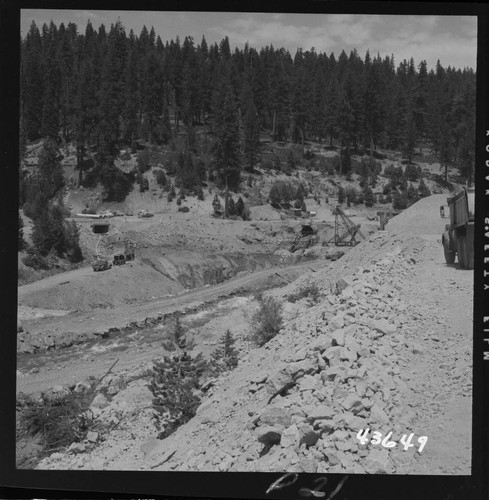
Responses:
[225,357]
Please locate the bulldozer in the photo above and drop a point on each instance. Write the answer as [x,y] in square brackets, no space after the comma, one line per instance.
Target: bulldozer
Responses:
[458,237]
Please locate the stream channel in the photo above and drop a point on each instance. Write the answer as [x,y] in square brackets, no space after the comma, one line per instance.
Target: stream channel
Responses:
[138,339]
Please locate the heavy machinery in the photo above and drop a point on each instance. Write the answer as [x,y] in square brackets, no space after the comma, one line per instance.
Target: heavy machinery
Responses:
[458,237]
[306,238]
[119,260]
[101,265]
[345,231]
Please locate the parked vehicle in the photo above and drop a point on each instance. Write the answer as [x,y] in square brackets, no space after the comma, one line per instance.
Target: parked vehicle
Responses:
[101,265]
[144,214]
[458,238]
[119,260]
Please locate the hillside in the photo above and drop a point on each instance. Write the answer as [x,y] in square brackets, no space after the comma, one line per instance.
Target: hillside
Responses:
[383,338]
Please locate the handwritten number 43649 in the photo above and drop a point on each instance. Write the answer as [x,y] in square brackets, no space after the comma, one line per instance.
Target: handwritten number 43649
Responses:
[386,443]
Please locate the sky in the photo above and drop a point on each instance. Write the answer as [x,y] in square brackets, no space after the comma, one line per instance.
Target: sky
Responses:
[450,39]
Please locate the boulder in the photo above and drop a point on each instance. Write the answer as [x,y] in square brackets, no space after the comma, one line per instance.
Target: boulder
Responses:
[382,326]
[332,353]
[377,414]
[308,383]
[320,412]
[337,322]
[326,426]
[100,401]
[332,457]
[276,416]
[352,403]
[308,465]
[353,422]
[338,337]
[92,436]
[332,372]
[377,461]
[277,380]
[290,437]
[307,435]
[76,448]
[322,342]
[305,367]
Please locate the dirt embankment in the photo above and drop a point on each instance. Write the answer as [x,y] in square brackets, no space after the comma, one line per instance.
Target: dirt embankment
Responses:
[387,347]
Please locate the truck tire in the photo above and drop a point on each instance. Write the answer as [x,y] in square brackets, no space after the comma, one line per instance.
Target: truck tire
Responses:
[469,254]
[449,255]
[461,251]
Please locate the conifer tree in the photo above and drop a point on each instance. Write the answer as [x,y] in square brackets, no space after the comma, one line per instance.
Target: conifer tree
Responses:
[251,126]
[32,83]
[50,170]
[50,102]
[20,235]
[226,131]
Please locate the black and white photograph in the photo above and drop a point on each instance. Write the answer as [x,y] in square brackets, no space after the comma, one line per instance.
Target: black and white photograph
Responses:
[246,242]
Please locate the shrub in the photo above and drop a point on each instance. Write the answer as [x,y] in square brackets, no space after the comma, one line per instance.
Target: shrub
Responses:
[310,291]
[72,242]
[231,206]
[281,192]
[341,195]
[174,384]
[359,199]
[277,164]
[36,261]
[351,195]
[60,418]
[412,172]
[423,189]
[246,214]
[126,156]
[143,160]
[267,321]
[239,207]
[399,201]
[160,177]
[369,197]
[177,339]
[142,181]
[91,178]
[170,166]
[345,160]
[412,195]
[117,184]
[48,231]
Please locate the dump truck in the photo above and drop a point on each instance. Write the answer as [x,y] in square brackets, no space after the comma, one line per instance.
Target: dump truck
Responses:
[458,237]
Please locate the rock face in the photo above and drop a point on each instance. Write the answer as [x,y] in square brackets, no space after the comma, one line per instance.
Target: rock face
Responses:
[338,367]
